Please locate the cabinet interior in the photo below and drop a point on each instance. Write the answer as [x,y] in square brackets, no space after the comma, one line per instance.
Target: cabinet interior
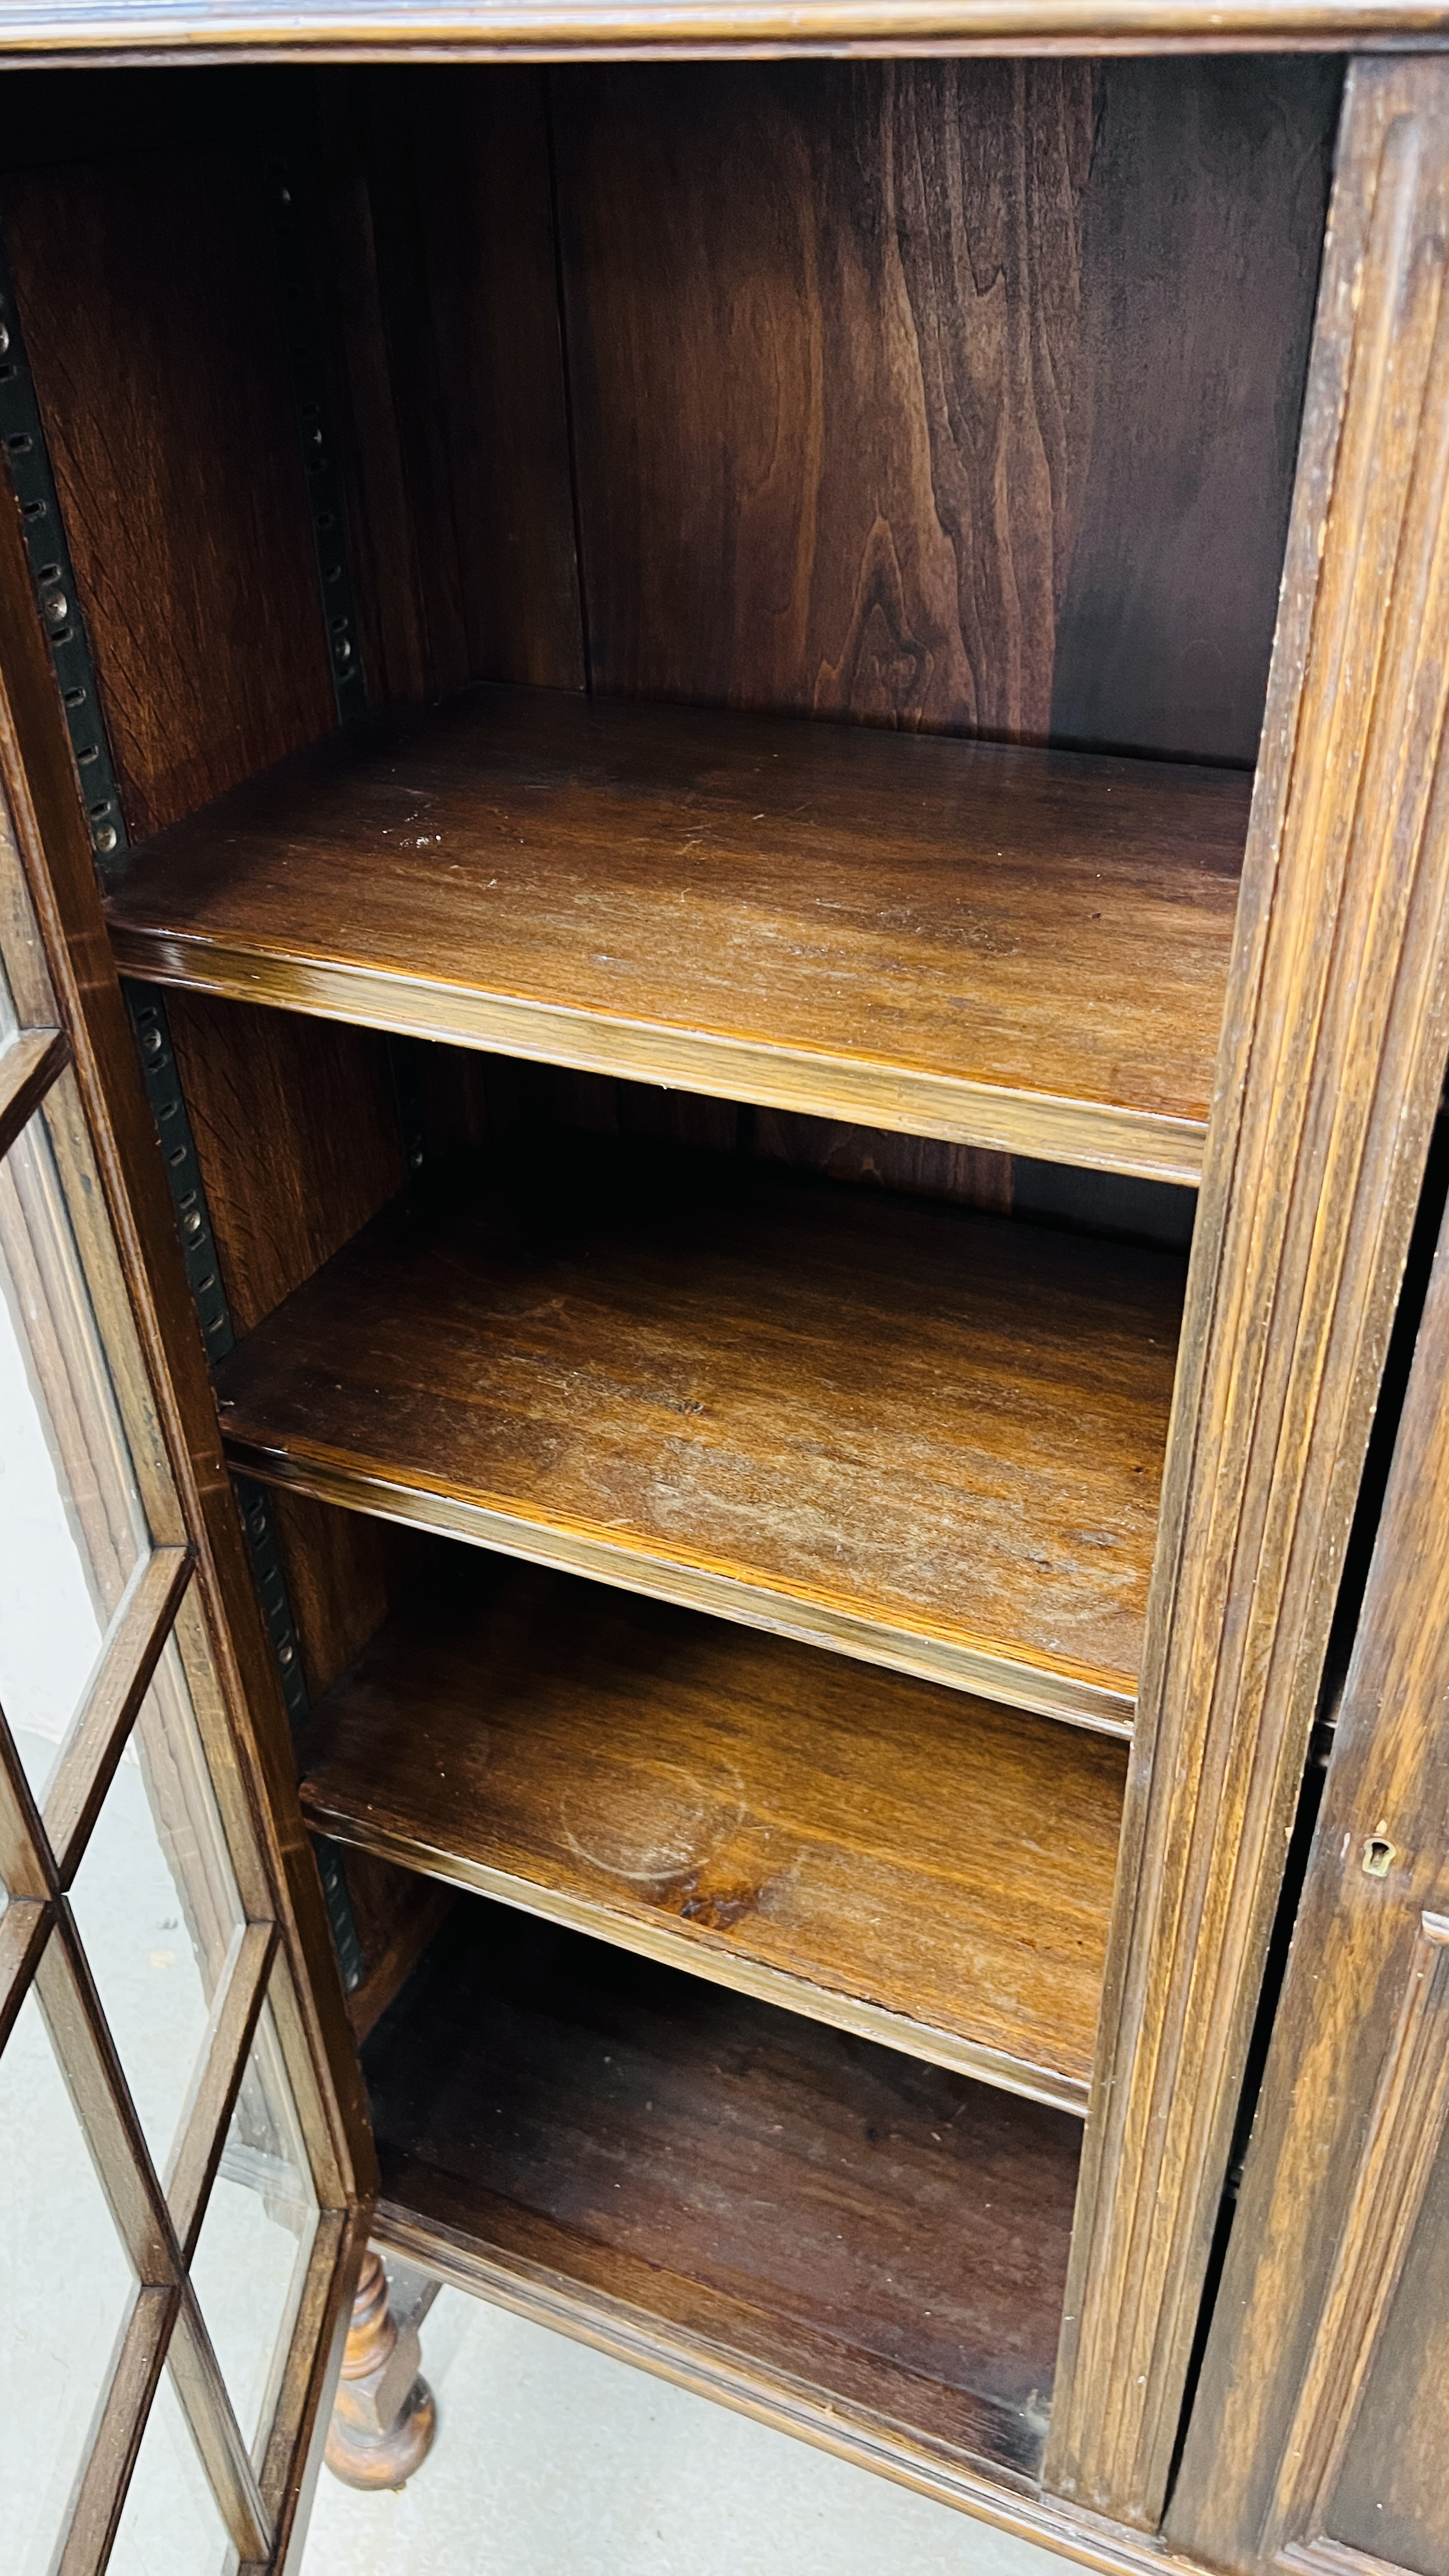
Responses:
[697,1083]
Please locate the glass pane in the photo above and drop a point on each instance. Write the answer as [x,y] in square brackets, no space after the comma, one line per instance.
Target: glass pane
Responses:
[171,2523]
[251,2260]
[66,2290]
[71,1524]
[156,1904]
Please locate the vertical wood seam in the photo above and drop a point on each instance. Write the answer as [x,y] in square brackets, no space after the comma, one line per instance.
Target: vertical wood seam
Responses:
[566,370]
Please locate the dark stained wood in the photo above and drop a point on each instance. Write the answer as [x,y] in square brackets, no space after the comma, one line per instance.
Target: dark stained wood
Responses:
[1201,245]
[966,1174]
[744,2183]
[344,1575]
[296,1131]
[930,1438]
[822,325]
[485,203]
[391,353]
[1004,948]
[675,1782]
[468,1100]
[958,395]
[151,318]
[389,578]
[1321,2417]
[395,1914]
[451,408]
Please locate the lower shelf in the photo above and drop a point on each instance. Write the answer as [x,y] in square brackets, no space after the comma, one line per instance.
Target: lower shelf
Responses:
[777,2213]
[923,1437]
[900,1860]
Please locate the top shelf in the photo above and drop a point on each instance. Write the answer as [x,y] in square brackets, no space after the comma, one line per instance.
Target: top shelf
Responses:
[1024,950]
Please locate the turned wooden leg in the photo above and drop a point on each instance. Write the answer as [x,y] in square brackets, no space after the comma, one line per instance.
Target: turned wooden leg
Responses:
[384,2418]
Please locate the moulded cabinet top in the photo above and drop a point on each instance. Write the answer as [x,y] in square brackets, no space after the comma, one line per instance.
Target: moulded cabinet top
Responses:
[1026,950]
[159,30]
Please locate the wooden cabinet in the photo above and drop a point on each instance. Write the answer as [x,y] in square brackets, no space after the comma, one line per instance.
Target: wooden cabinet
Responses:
[1318,2438]
[761,740]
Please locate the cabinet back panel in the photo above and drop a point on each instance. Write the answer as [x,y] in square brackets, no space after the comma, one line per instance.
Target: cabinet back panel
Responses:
[1201,249]
[959,395]
[153,321]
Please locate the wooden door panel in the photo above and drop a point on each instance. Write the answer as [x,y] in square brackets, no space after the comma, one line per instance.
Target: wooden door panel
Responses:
[1384,2497]
[1320,2430]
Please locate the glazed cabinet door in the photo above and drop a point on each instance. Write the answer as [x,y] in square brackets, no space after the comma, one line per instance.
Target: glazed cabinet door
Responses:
[185,2155]
[1321,2429]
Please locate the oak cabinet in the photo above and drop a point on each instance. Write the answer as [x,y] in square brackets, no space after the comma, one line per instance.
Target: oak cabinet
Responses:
[759,743]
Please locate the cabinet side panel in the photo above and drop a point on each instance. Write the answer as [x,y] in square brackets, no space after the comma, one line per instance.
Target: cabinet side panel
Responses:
[1333,1053]
[152,319]
[460,501]
[296,1134]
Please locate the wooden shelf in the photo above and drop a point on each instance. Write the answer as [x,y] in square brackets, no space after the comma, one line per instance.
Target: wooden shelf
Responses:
[928,1438]
[1026,950]
[848,2243]
[886,1856]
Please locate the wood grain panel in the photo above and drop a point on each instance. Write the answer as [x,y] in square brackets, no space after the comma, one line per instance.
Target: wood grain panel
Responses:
[932,1871]
[453,401]
[1010,949]
[396,1914]
[928,1438]
[471,1099]
[296,1135]
[958,395]
[151,320]
[1201,246]
[1387,2495]
[402,492]
[1327,2305]
[821,326]
[822,2211]
[1335,1041]
[482,148]
[966,1174]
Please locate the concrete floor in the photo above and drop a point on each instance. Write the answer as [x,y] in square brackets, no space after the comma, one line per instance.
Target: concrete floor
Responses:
[552,2460]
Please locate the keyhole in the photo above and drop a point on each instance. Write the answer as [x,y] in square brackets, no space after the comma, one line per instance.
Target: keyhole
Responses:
[1377,1856]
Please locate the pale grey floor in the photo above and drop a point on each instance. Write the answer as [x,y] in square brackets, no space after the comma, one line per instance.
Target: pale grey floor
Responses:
[552,2460]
